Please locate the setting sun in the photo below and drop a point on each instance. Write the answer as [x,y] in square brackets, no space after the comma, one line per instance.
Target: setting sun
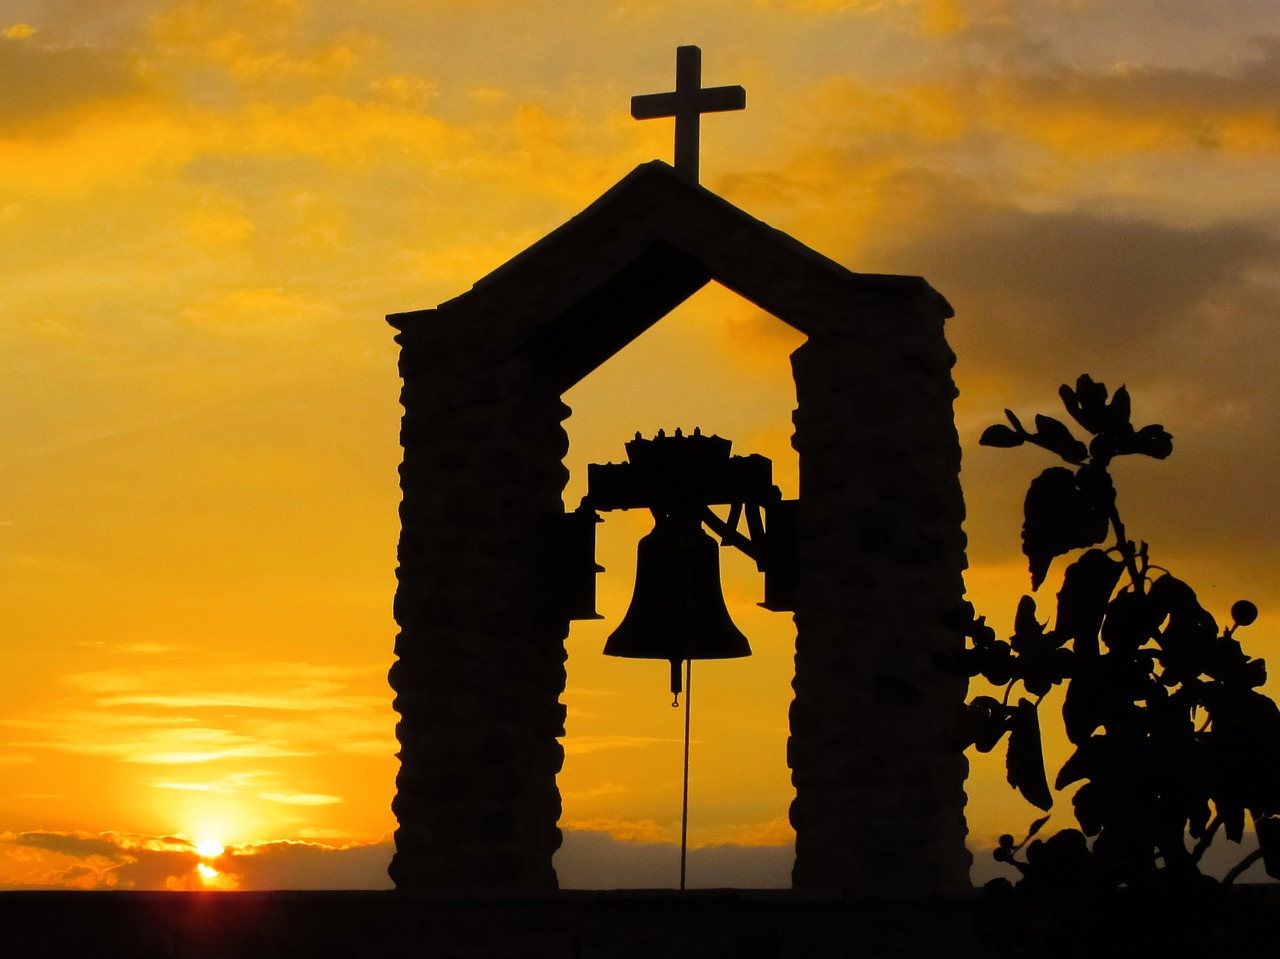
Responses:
[208,849]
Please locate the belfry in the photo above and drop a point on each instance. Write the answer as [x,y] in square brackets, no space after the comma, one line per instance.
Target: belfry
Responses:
[488,553]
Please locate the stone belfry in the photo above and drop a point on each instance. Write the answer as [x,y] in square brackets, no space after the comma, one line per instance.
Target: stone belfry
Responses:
[879,807]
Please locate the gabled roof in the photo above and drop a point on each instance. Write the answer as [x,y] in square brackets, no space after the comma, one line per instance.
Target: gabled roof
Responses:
[586,290]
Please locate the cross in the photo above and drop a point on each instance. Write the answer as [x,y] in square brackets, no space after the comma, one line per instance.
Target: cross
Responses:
[687,104]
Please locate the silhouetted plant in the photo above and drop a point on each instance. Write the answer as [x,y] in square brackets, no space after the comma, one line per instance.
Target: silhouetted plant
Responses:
[1173,742]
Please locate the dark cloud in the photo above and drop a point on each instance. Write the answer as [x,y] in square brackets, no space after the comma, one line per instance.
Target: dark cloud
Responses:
[41,87]
[1034,289]
[305,865]
[114,861]
[92,22]
[1186,97]
[154,868]
[587,860]
[1047,296]
[78,874]
[1184,71]
[71,845]
[1115,280]
[595,860]
[1185,316]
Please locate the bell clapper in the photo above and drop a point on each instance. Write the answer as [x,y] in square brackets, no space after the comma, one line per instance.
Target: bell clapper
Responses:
[675,684]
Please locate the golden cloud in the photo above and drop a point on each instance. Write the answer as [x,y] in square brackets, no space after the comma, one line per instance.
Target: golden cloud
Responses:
[300,799]
[227,785]
[773,832]
[135,719]
[932,17]
[639,831]
[581,745]
[271,311]
[117,144]
[221,223]
[207,25]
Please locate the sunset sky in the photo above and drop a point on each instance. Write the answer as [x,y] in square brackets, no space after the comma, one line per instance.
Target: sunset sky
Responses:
[207,208]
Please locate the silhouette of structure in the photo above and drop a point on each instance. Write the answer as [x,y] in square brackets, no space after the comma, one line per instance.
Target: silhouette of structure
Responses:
[485,595]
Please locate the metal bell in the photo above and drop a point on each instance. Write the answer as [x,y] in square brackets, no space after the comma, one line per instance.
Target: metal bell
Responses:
[677,611]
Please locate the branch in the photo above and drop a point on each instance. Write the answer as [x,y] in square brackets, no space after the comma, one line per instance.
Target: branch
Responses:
[1241,866]
[1127,551]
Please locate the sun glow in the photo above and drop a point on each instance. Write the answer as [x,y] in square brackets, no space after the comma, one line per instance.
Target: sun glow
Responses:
[209,849]
[207,873]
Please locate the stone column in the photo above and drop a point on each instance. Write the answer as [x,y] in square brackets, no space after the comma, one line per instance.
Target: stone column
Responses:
[480,662]
[879,807]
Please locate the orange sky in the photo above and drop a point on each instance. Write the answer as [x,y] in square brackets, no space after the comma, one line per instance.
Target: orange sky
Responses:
[207,207]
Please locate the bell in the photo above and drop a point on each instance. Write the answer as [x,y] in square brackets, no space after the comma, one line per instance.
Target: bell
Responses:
[677,611]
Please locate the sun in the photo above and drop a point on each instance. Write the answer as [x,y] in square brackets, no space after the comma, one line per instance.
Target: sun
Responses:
[208,874]
[209,849]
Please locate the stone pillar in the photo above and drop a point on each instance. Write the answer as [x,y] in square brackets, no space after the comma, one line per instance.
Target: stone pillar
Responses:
[480,664]
[879,807]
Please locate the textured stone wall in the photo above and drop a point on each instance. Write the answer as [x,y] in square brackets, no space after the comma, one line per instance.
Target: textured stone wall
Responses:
[480,665]
[879,807]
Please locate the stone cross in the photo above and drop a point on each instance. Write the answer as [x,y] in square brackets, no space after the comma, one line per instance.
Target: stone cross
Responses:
[687,104]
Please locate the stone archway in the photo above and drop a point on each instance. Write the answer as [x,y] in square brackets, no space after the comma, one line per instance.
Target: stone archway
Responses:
[879,782]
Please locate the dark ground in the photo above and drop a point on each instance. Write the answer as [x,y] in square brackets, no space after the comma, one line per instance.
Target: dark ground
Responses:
[589,925]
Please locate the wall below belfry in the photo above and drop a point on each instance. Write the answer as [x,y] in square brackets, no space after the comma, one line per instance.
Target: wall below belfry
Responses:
[879,807]
[479,671]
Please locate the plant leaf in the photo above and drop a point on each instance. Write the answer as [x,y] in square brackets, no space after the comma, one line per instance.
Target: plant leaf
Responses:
[1082,601]
[1129,622]
[987,718]
[1087,403]
[1001,436]
[1026,628]
[1054,436]
[1058,517]
[985,723]
[1153,441]
[1086,704]
[1118,411]
[1024,761]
